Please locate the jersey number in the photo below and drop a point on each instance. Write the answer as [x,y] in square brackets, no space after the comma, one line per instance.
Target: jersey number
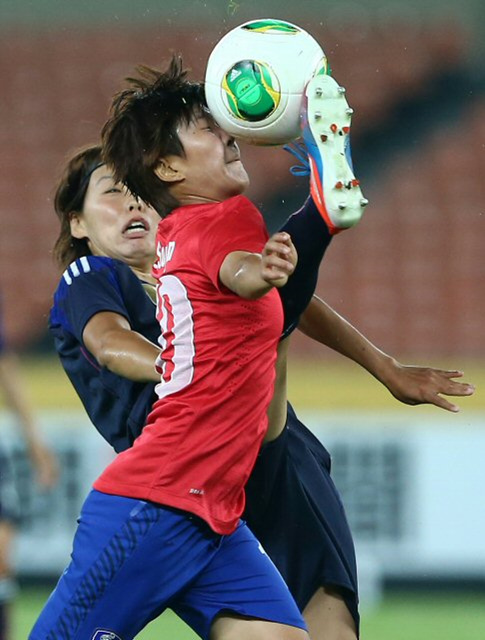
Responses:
[175,315]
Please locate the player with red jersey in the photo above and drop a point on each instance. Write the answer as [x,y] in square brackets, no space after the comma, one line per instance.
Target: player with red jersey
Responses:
[216,365]
[161,529]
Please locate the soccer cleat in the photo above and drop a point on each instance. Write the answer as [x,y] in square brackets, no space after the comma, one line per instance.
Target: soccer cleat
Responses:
[325,124]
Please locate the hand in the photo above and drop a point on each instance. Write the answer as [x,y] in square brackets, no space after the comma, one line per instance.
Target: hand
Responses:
[424,385]
[279,259]
[44,463]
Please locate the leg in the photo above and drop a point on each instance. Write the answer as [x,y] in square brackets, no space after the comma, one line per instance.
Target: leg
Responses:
[129,559]
[336,201]
[328,617]
[231,627]
[240,594]
[311,237]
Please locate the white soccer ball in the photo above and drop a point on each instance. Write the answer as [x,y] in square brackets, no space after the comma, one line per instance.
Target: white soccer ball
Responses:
[255,79]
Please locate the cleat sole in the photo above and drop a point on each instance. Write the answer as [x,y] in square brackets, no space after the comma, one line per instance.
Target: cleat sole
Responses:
[326,135]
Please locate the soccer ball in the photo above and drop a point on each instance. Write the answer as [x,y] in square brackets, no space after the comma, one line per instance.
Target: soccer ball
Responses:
[255,79]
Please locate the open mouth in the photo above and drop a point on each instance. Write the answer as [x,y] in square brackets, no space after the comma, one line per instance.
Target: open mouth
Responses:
[136,227]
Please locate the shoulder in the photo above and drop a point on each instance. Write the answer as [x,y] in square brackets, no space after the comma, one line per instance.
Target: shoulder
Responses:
[90,271]
[238,204]
[85,265]
[232,216]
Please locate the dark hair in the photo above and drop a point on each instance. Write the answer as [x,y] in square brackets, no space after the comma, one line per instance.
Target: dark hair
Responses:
[142,129]
[69,198]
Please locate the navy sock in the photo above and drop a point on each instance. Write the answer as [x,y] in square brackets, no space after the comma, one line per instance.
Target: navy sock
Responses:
[311,237]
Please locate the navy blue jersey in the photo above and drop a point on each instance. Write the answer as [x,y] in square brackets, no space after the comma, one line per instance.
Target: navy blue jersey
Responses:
[92,284]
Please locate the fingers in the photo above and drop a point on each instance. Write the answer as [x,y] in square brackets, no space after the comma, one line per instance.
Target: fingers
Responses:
[425,385]
[443,403]
[279,243]
[275,269]
[442,383]
[279,259]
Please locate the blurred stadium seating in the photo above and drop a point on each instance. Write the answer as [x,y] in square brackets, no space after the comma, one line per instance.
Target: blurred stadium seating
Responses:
[410,274]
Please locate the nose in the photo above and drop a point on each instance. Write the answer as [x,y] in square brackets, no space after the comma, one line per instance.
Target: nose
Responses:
[136,204]
[226,138]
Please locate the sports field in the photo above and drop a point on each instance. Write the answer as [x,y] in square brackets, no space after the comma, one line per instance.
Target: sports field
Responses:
[399,617]
[334,385]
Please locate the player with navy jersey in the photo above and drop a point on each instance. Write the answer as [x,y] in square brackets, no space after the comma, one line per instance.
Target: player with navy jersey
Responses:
[116,406]
[303,575]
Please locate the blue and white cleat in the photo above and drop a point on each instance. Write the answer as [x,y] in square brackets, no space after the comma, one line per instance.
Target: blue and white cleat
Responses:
[325,124]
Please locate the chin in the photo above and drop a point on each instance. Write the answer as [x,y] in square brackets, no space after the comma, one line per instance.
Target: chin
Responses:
[239,189]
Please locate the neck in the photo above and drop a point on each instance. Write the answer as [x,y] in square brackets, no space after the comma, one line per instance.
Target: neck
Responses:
[144,273]
[192,199]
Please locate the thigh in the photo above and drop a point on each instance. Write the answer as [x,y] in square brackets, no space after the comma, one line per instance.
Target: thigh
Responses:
[328,617]
[231,627]
[239,582]
[129,559]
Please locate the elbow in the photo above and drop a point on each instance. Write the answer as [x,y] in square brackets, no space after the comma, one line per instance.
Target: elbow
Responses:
[105,358]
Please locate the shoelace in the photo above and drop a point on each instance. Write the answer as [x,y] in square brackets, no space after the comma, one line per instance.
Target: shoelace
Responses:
[298,150]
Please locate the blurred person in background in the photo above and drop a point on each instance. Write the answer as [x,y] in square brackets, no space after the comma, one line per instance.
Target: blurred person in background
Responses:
[106,244]
[12,388]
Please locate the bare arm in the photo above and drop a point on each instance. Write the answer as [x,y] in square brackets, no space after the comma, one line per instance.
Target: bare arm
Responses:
[252,275]
[17,401]
[407,383]
[109,337]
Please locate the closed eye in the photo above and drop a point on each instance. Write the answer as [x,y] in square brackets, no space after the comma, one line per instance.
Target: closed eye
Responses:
[114,190]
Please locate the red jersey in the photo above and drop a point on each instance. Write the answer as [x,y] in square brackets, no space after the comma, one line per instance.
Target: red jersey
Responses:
[217,370]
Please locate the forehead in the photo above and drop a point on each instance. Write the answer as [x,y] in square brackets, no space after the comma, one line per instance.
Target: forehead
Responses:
[101,176]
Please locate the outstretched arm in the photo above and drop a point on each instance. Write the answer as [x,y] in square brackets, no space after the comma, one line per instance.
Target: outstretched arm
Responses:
[407,383]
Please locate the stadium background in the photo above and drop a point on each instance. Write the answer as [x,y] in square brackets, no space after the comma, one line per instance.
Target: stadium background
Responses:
[411,276]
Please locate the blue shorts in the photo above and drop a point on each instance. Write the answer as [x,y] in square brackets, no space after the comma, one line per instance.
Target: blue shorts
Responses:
[133,559]
[294,509]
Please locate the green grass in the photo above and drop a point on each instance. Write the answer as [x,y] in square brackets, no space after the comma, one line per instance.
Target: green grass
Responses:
[399,617]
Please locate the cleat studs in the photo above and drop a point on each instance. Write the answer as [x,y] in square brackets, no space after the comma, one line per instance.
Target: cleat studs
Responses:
[364,202]
[355,182]
[342,206]
[341,89]
[349,111]
[339,184]
[318,92]
[333,128]
[346,129]
[318,115]
[323,137]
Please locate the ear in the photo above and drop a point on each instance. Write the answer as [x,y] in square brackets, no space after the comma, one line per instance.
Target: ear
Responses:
[171,169]
[78,229]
